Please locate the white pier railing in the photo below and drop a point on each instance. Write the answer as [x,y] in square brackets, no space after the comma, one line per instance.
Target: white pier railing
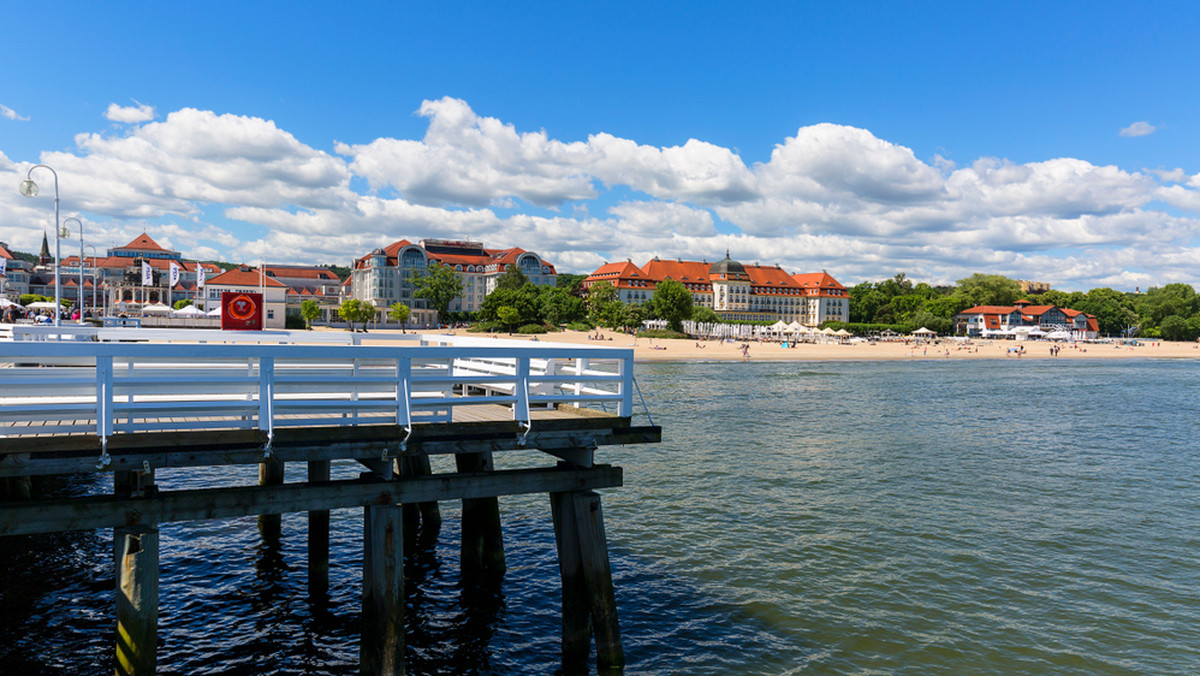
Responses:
[111,388]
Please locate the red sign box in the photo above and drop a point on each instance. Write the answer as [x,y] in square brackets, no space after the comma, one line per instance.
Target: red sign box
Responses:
[241,311]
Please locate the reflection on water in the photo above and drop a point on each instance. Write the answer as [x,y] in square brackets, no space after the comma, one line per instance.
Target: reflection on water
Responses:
[901,518]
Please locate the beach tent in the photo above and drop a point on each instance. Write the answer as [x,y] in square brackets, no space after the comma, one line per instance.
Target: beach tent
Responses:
[157,308]
[828,331]
[42,305]
[188,311]
[795,327]
[924,332]
[4,302]
[215,312]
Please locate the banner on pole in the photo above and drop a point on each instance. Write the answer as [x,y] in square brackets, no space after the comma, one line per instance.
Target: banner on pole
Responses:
[174,274]
[147,274]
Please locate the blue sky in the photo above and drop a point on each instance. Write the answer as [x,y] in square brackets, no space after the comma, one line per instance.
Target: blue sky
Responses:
[1048,141]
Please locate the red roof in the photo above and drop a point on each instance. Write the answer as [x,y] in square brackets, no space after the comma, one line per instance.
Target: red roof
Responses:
[244,276]
[143,243]
[301,272]
[688,272]
[817,280]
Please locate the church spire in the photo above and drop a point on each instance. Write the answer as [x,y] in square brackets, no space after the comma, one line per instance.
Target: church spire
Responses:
[44,258]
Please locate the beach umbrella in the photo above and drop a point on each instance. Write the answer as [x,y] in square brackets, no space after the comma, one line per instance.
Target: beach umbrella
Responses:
[4,302]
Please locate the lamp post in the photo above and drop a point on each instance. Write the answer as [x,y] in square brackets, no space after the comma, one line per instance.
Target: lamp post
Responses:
[67,233]
[30,189]
[95,282]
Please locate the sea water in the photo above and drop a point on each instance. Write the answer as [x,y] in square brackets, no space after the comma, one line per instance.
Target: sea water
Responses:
[925,517]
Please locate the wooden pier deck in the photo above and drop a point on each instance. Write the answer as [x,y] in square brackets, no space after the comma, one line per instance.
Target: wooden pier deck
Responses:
[129,409]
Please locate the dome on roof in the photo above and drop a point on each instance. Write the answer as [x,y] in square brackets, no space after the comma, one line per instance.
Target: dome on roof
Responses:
[728,266]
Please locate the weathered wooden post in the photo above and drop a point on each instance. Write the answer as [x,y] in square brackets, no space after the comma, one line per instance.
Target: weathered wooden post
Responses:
[137,600]
[318,537]
[382,648]
[270,473]
[589,605]
[423,520]
[482,552]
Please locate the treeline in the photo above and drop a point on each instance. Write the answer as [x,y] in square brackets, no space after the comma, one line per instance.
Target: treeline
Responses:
[1171,312]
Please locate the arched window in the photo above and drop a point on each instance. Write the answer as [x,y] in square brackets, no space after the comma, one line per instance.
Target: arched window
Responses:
[412,258]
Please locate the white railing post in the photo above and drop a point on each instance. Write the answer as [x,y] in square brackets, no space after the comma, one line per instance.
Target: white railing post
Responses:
[104,398]
[581,366]
[626,408]
[404,398]
[521,390]
[266,397]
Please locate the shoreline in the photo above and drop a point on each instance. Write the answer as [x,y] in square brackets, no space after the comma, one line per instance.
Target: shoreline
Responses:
[678,350]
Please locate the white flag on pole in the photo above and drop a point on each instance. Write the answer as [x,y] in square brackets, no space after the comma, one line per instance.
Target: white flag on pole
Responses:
[174,274]
[147,274]
[199,274]
[3,266]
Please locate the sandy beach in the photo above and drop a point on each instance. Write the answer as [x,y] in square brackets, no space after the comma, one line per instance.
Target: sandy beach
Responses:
[685,350]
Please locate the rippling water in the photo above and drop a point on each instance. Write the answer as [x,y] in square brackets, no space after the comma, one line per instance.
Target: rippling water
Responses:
[913,518]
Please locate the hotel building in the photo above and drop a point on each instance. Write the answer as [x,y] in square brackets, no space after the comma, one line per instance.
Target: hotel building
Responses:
[736,292]
[386,276]
[1000,320]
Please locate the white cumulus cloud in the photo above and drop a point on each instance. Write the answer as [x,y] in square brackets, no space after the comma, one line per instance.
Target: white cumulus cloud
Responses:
[1139,129]
[11,114]
[129,114]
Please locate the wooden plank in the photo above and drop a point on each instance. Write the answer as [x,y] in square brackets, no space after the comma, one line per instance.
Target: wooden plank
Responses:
[79,453]
[84,513]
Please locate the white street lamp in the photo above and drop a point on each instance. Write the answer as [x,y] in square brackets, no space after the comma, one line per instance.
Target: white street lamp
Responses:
[30,189]
[95,283]
[67,233]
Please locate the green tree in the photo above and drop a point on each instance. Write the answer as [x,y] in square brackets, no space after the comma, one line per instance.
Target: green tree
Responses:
[512,279]
[310,311]
[672,302]
[1173,299]
[865,301]
[981,289]
[1113,310]
[440,286]
[182,303]
[524,300]
[399,312]
[702,314]
[354,310]
[572,283]
[508,315]
[560,307]
[1174,327]
[600,297]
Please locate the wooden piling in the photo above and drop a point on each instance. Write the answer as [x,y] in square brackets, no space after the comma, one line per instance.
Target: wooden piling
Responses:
[270,473]
[137,600]
[318,537]
[382,646]
[589,604]
[482,552]
[424,519]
